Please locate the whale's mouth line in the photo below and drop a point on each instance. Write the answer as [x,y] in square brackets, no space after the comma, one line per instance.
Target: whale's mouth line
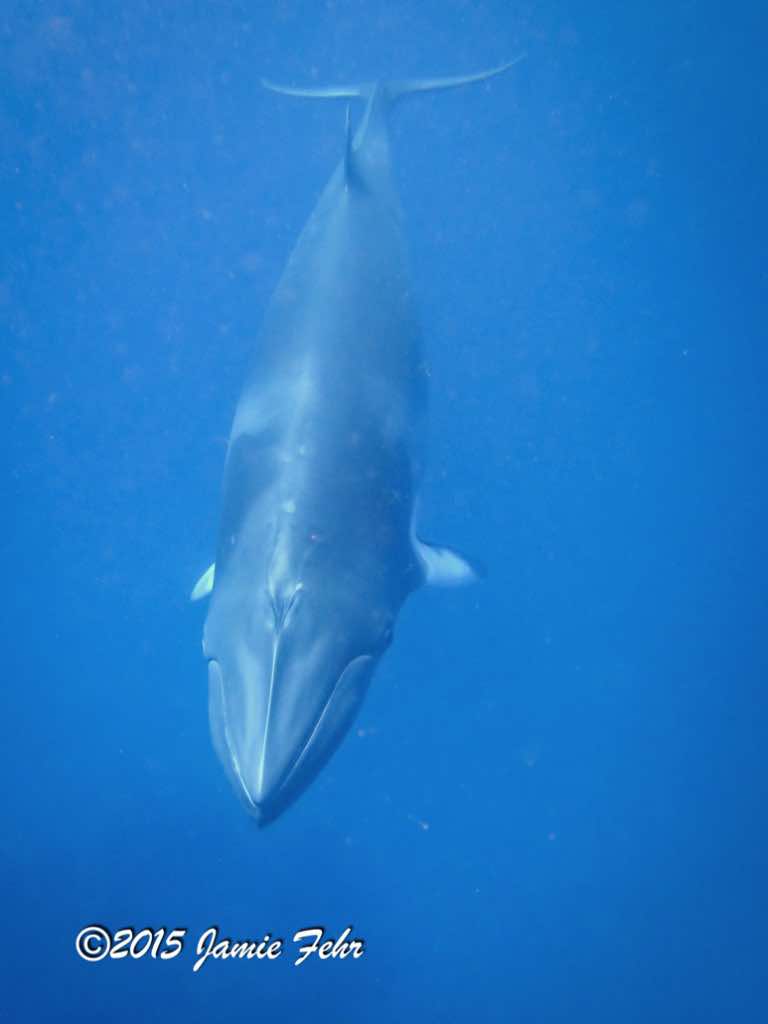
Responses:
[252,806]
[296,761]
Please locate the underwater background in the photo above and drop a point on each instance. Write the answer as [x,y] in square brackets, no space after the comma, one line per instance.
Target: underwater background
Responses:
[553,805]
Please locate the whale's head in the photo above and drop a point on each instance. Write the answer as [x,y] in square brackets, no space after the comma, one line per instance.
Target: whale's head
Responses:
[288,669]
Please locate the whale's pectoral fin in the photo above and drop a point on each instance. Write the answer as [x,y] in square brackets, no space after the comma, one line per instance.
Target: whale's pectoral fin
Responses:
[444,567]
[204,585]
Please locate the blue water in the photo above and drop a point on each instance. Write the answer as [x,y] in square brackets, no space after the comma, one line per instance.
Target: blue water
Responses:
[552,807]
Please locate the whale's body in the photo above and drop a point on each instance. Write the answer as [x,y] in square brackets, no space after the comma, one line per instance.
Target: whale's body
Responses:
[317,550]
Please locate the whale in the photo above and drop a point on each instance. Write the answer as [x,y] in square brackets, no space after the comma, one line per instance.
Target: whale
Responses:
[318,546]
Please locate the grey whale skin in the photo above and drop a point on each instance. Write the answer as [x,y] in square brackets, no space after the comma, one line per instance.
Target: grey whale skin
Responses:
[317,549]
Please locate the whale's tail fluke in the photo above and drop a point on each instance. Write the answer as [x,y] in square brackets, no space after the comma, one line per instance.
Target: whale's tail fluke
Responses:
[394,90]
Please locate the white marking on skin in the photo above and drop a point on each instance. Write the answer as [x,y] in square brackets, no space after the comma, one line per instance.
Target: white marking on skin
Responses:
[305,386]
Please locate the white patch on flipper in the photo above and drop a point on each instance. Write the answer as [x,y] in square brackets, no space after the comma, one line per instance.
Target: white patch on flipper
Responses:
[204,585]
[443,567]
